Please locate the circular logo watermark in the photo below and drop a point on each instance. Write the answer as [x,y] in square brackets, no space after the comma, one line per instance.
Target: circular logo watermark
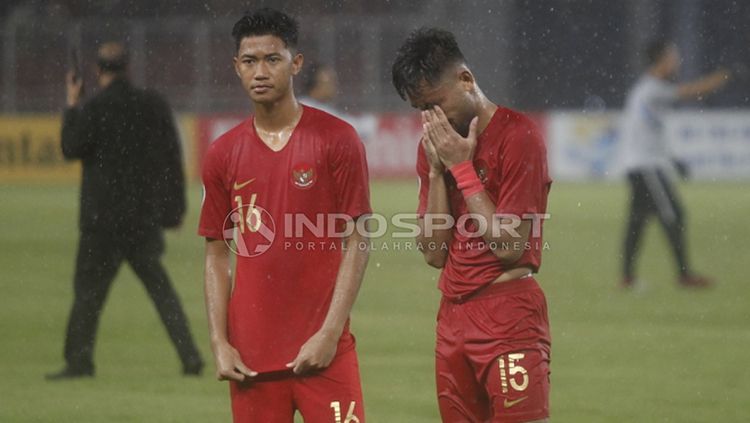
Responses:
[250,230]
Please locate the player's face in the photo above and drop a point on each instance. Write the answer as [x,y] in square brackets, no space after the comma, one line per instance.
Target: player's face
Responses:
[672,60]
[266,67]
[326,83]
[454,93]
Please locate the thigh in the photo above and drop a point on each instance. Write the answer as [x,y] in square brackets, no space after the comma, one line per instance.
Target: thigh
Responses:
[661,199]
[143,245]
[143,250]
[461,398]
[672,195]
[262,402]
[518,385]
[97,262]
[333,395]
[641,202]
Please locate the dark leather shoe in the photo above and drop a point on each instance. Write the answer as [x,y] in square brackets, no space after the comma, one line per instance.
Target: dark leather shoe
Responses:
[69,373]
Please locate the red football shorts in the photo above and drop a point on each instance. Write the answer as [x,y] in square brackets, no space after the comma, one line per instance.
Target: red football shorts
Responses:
[333,395]
[493,355]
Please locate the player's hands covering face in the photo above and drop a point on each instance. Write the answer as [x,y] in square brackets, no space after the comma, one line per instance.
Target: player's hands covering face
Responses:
[449,145]
[316,354]
[436,165]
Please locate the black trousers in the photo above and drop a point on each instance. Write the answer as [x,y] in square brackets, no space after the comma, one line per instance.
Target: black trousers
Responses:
[652,193]
[100,254]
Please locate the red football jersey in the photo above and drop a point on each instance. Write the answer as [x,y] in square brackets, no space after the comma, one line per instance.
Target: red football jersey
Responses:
[286,272]
[511,161]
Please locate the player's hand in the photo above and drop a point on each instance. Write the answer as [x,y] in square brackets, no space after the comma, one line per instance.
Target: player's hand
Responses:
[229,365]
[316,354]
[436,166]
[451,147]
[724,72]
[73,88]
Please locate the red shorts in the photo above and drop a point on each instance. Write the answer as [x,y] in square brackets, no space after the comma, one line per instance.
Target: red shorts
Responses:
[493,355]
[333,395]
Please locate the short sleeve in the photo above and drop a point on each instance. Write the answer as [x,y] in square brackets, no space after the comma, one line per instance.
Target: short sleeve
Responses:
[423,172]
[350,176]
[524,178]
[217,203]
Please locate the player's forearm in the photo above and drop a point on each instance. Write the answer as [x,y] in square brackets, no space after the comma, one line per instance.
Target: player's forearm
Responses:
[703,86]
[351,271]
[217,289]
[506,235]
[435,231]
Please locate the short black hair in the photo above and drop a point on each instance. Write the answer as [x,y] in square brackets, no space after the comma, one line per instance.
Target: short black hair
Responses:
[655,50]
[266,21]
[425,54]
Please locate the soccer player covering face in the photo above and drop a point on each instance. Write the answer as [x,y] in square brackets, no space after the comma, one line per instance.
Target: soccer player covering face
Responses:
[280,332]
[478,159]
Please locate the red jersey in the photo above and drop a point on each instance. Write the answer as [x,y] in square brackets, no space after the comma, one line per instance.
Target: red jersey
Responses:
[285,273]
[511,161]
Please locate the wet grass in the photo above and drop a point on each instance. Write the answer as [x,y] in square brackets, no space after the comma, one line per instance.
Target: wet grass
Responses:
[656,354]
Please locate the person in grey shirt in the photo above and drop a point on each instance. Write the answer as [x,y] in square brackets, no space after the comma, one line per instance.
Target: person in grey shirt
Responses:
[648,162]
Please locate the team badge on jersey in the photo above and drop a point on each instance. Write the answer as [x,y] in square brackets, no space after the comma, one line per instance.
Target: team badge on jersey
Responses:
[482,170]
[303,176]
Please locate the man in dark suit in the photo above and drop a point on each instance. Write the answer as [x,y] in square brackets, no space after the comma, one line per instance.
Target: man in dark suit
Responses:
[132,188]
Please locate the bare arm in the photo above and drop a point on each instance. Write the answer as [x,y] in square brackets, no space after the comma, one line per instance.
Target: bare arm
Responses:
[704,85]
[217,289]
[434,233]
[507,235]
[318,352]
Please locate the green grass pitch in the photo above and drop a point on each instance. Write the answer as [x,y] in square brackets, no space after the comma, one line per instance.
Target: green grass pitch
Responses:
[660,354]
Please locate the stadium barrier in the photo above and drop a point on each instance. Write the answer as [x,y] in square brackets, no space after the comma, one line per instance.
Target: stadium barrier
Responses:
[714,144]
[30,149]
[581,146]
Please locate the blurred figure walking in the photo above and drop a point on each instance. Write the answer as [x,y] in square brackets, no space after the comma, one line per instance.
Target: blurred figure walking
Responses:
[132,188]
[648,161]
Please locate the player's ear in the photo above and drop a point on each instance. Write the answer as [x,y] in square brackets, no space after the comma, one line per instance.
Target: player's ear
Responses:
[466,78]
[236,63]
[297,61]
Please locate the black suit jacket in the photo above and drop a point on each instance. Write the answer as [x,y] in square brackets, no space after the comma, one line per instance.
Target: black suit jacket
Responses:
[127,142]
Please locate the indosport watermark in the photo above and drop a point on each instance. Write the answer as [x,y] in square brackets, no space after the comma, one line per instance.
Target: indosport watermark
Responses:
[251,231]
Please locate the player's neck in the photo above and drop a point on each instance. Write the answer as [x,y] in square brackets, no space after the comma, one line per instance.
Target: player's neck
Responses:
[657,73]
[279,115]
[485,112]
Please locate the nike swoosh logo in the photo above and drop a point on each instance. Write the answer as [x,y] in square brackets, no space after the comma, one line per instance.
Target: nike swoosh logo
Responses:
[242,185]
[508,404]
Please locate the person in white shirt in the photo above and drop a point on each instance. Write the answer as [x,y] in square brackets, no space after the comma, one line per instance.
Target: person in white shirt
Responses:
[648,161]
[319,88]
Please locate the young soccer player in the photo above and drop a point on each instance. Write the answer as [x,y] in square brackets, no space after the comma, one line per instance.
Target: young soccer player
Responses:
[280,334]
[489,162]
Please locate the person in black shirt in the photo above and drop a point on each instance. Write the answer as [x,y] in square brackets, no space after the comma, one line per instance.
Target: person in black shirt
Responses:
[132,187]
